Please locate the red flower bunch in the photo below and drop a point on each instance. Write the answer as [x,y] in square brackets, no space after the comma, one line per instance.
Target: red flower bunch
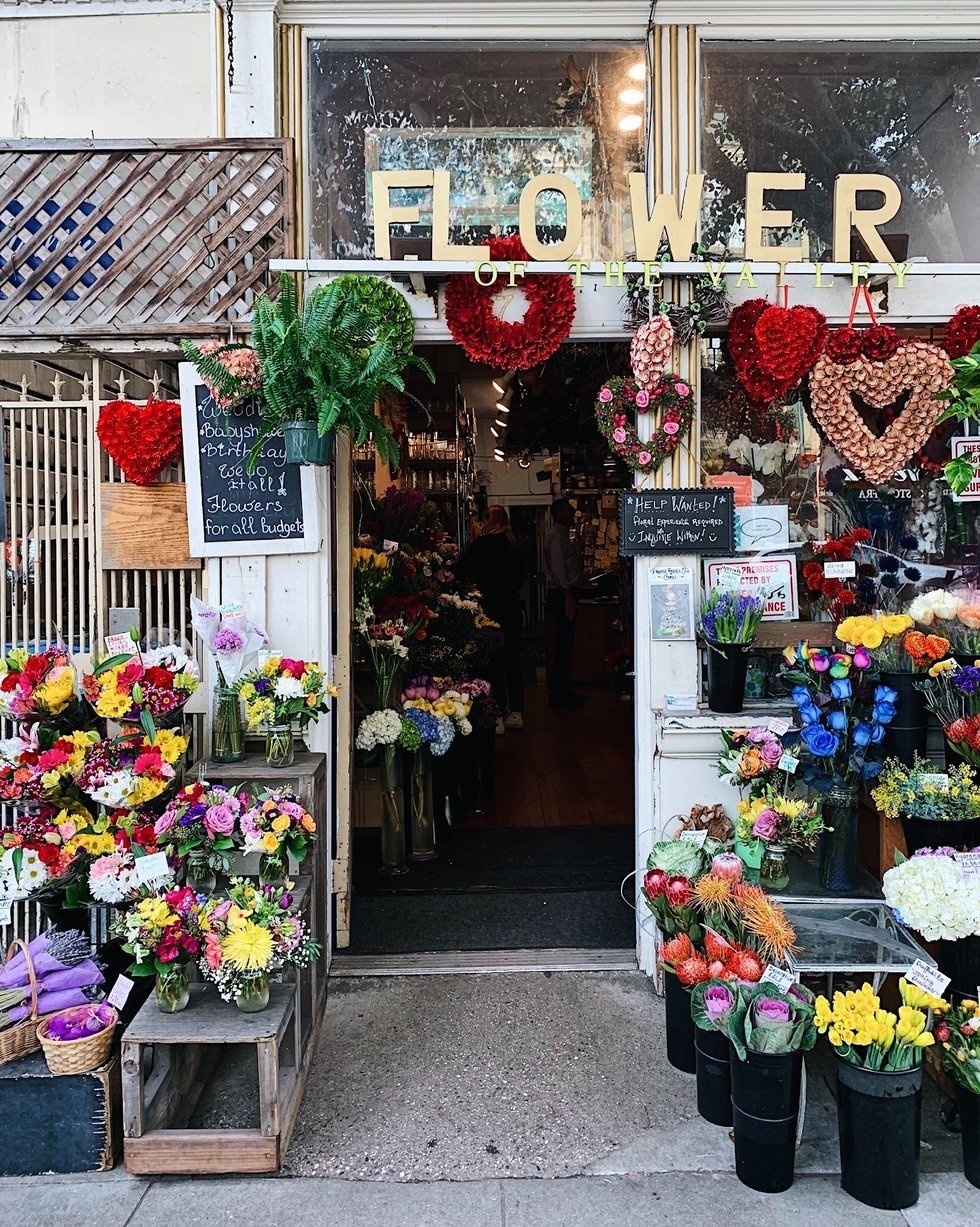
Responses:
[499,343]
[720,959]
[142,439]
[925,649]
[962,332]
[744,352]
[880,342]
[844,345]
[773,347]
[964,736]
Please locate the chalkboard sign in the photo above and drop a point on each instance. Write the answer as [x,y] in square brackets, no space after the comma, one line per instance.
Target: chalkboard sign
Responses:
[229,511]
[676,521]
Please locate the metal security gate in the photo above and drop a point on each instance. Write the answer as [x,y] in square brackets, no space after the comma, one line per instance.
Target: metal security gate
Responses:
[54,588]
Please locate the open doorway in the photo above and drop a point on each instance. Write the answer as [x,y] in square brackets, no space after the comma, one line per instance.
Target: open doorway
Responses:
[534,807]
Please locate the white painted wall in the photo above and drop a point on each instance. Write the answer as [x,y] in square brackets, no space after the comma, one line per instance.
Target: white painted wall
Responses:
[111,77]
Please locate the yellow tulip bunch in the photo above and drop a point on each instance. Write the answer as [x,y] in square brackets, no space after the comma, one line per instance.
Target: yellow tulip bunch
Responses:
[864,1034]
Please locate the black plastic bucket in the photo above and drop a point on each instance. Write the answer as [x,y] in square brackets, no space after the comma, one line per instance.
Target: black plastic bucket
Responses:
[969,1106]
[765,1112]
[906,735]
[680,1025]
[879,1117]
[712,1055]
[926,833]
[727,667]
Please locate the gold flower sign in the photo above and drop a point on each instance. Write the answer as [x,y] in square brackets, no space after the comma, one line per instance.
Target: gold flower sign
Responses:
[916,366]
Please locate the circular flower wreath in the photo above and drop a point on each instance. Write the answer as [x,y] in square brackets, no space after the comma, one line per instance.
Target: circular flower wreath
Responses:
[619,399]
[499,343]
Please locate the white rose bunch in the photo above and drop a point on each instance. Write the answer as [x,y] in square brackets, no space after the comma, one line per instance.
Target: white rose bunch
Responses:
[940,605]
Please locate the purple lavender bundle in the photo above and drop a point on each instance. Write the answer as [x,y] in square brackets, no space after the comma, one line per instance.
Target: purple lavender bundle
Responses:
[50,952]
[81,1022]
[47,1003]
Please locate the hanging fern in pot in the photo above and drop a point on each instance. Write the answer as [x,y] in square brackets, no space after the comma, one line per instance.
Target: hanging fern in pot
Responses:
[323,366]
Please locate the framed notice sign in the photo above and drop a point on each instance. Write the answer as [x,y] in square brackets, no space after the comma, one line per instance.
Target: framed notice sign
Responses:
[232,512]
[676,521]
[772,577]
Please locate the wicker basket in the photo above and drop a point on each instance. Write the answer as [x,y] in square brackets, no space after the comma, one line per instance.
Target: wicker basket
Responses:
[76,1056]
[21,1039]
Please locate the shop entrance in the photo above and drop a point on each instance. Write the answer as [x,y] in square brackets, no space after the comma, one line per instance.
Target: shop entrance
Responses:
[533,807]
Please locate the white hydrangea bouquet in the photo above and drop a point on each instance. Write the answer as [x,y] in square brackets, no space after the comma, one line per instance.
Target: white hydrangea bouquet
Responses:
[931,893]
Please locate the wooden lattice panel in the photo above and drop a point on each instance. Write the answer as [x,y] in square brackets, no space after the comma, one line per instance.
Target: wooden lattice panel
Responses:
[139,238]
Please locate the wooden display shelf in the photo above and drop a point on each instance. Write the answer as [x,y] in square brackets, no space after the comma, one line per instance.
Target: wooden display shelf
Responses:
[162,1056]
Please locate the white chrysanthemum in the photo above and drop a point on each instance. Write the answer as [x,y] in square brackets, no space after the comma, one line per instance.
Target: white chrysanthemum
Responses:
[112,877]
[932,895]
[33,871]
[289,688]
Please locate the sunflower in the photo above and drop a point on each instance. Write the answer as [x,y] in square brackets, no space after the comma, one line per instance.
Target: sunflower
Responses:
[248,947]
[765,921]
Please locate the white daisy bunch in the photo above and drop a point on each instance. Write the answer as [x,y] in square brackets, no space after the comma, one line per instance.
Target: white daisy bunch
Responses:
[380,728]
[933,896]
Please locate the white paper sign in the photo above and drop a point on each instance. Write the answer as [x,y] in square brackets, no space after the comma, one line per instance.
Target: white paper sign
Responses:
[969,862]
[930,979]
[232,610]
[969,446]
[390,547]
[693,837]
[153,867]
[761,527]
[116,645]
[788,762]
[6,907]
[120,992]
[938,779]
[783,980]
[845,569]
[680,702]
[772,577]
[778,726]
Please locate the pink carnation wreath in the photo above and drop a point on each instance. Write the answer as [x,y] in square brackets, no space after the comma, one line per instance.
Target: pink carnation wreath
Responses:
[670,406]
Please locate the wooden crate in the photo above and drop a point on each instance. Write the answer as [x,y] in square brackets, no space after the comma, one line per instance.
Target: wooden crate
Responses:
[162,1057]
[58,1123]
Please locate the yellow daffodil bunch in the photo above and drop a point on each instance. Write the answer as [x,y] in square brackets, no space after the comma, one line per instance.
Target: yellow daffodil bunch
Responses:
[864,1034]
[373,573]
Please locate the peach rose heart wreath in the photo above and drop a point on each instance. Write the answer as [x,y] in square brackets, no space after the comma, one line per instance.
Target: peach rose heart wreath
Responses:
[620,399]
[916,366]
[651,350]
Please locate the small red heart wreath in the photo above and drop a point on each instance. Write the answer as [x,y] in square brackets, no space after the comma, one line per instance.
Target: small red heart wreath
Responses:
[962,332]
[499,343]
[877,343]
[617,402]
[772,348]
[142,439]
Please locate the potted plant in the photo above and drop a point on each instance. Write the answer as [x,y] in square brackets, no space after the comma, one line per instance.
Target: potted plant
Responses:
[770,827]
[843,716]
[282,692]
[934,895]
[959,1034]
[769,1030]
[729,623]
[936,809]
[200,825]
[879,1090]
[276,826]
[902,655]
[159,932]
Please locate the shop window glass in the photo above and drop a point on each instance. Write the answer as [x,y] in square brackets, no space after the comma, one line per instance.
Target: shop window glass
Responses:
[912,113]
[493,118]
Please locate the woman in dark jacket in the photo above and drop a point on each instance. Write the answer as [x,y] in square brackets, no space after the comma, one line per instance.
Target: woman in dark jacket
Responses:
[494,565]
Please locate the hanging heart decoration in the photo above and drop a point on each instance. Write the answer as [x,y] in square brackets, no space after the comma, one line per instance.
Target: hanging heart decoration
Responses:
[962,332]
[651,350]
[772,348]
[917,367]
[667,409]
[877,343]
[142,439]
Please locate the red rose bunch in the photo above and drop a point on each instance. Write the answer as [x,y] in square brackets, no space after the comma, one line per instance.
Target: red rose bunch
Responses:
[962,332]
[499,343]
[843,346]
[772,348]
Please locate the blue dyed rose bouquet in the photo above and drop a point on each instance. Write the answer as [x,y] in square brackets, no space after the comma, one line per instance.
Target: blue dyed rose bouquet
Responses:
[843,714]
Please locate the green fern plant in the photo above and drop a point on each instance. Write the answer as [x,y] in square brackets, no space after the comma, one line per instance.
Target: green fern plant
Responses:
[328,361]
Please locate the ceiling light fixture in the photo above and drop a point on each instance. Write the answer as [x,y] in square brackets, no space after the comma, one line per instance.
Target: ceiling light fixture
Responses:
[630,123]
[638,72]
[495,433]
[502,425]
[498,387]
[502,408]
[632,97]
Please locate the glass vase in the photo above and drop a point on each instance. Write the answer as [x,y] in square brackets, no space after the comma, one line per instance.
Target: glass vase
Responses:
[200,877]
[423,830]
[173,990]
[227,727]
[392,819]
[774,873]
[279,746]
[272,869]
[838,843]
[254,994]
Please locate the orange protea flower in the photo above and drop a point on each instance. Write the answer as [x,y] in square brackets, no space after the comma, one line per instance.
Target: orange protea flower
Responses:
[676,949]
[766,921]
[713,894]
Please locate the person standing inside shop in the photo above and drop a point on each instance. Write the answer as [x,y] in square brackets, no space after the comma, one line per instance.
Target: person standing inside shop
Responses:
[494,564]
[563,571]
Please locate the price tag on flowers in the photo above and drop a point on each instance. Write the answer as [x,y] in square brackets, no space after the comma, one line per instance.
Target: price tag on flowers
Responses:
[969,862]
[152,868]
[783,980]
[788,762]
[119,994]
[693,837]
[778,726]
[929,979]
[845,569]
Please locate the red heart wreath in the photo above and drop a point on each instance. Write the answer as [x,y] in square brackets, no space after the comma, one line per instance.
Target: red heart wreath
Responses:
[962,332]
[619,399]
[499,343]
[772,348]
[142,439]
